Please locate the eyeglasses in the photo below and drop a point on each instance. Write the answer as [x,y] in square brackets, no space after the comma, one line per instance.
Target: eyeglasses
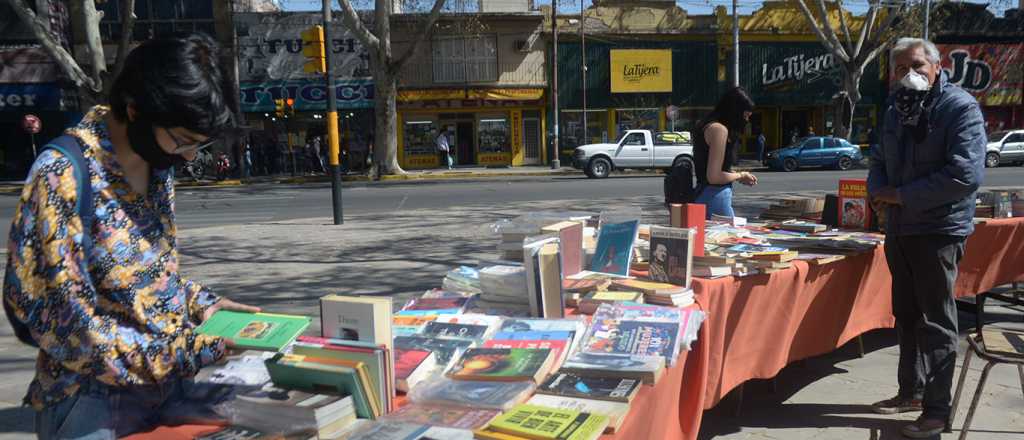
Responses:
[184,148]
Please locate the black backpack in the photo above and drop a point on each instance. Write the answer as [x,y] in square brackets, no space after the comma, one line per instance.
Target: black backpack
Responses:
[680,184]
[69,147]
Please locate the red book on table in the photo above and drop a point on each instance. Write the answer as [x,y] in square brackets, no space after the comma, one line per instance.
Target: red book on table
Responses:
[690,215]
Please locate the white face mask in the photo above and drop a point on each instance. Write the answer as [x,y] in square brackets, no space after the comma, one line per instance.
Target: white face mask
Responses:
[915,81]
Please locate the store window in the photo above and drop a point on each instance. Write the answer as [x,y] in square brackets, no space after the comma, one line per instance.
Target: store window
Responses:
[418,143]
[637,119]
[493,145]
[462,59]
[571,128]
[687,119]
[158,18]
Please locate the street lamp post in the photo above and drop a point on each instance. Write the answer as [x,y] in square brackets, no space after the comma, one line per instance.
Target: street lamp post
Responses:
[553,155]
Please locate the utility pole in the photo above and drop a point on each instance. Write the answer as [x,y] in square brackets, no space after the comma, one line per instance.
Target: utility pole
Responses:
[583,60]
[735,46]
[927,14]
[553,155]
[332,120]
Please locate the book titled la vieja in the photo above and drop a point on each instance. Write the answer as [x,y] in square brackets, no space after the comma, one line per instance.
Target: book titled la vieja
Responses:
[615,247]
[255,331]
[671,255]
[503,364]
[854,209]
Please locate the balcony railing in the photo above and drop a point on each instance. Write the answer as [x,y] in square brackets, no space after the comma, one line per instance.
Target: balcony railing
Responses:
[524,73]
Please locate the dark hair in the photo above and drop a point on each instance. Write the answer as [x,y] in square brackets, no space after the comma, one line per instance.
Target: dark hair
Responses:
[729,111]
[175,82]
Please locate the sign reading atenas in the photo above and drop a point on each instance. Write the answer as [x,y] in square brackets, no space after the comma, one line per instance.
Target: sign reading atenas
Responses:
[641,70]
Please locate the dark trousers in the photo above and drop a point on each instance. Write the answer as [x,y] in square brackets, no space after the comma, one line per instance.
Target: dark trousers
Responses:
[923,271]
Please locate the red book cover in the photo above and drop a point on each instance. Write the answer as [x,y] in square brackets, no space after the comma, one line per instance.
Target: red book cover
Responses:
[690,215]
[854,209]
[406,361]
[556,345]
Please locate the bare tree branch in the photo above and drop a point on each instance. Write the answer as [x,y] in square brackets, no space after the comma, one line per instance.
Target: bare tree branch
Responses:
[351,20]
[425,34]
[871,55]
[845,27]
[41,31]
[127,29]
[827,24]
[835,49]
[869,23]
[93,42]
[884,28]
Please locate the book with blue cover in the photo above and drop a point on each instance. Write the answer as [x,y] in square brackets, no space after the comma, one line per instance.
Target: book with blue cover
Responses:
[615,248]
[533,336]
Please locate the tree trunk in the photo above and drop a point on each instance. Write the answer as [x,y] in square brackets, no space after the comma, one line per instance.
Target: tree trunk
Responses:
[385,147]
[94,46]
[847,105]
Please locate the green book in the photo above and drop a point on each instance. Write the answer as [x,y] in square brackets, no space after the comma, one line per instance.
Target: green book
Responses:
[543,423]
[503,364]
[289,371]
[255,331]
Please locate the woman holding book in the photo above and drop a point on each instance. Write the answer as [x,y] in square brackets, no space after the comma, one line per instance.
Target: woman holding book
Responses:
[92,273]
[715,149]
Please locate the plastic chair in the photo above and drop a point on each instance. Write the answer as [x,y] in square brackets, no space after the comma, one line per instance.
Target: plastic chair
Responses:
[997,347]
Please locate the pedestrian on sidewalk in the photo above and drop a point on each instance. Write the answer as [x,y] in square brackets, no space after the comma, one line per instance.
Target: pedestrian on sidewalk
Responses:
[443,149]
[715,150]
[114,320]
[760,146]
[924,179]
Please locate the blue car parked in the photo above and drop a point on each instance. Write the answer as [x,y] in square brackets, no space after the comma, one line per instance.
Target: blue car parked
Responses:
[815,151]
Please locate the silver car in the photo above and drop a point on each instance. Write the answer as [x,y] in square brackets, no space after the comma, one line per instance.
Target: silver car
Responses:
[1005,147]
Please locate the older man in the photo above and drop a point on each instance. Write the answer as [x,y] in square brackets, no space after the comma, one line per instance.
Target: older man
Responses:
[924,177]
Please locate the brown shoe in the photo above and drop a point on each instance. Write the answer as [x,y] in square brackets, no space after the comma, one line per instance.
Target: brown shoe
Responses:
[924,428]
[896,405]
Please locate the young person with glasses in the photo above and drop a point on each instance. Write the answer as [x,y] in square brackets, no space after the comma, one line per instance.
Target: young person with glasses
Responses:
[116,327]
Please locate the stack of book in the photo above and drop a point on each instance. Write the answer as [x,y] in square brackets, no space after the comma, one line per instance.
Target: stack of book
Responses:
[791,207]
[338,376]
[511,246]
[504,287]
[656,292]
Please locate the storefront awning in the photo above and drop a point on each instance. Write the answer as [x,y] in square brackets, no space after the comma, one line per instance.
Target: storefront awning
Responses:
[499,94]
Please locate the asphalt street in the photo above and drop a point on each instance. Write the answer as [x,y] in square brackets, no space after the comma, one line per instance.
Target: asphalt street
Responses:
[261,203]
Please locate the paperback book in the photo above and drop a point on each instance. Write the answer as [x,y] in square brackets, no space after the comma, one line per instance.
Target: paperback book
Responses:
[503,364]
[598,388]
[614,251]
[671,255]
[472,393]
[255,331]
[615,411]
[546,423]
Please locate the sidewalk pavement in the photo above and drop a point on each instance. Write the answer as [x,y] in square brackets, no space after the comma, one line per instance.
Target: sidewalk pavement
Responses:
[459,173]
[286,266]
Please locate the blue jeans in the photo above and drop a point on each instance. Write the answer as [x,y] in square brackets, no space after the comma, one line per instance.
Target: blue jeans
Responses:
[101,412]
[718,199]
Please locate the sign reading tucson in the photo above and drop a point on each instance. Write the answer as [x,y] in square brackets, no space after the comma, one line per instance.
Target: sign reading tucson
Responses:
[641,70]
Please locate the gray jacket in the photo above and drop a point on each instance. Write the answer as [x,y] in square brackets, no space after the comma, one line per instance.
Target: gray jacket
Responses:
[937,179]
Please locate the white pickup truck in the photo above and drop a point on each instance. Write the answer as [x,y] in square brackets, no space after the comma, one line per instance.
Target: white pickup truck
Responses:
[637,149]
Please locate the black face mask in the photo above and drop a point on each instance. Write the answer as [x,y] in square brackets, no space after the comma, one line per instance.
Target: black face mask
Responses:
[143,141]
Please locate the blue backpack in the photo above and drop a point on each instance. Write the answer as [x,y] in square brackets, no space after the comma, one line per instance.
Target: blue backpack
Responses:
[69,147]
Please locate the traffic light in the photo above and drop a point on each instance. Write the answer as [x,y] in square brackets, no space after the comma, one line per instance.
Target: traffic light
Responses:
[313,49]
[279,107]
[290,106]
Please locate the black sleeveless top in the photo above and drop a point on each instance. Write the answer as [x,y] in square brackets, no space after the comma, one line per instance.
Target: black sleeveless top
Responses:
[700,156]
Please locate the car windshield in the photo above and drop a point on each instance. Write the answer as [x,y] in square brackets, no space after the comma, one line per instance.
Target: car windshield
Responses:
[998,136]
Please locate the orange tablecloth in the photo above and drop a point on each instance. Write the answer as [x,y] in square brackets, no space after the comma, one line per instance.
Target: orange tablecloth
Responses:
[757,325]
